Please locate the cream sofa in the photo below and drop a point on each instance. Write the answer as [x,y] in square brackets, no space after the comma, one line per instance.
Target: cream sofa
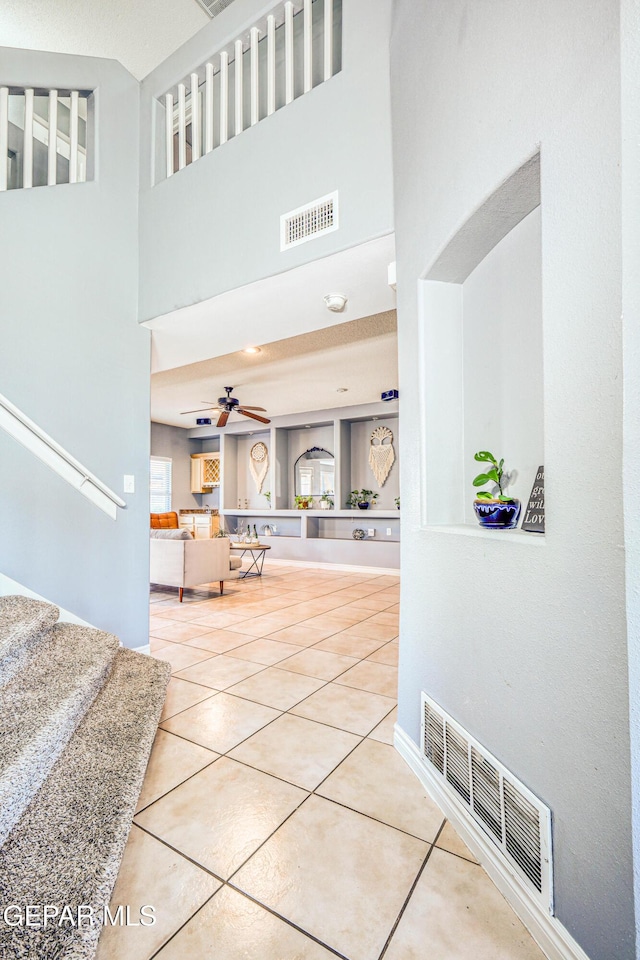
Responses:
[188,563]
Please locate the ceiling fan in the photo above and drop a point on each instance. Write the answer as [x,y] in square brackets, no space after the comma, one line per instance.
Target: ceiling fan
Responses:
[227,405]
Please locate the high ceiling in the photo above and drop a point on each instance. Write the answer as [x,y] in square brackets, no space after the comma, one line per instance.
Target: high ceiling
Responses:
[138,33]
[338,366]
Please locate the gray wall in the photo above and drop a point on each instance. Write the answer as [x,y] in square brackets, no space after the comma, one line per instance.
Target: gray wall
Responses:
[526,647]
[173,442]
[75,360]
[215,225]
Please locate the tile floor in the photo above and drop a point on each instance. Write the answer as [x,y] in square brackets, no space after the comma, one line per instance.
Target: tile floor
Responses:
[276,821]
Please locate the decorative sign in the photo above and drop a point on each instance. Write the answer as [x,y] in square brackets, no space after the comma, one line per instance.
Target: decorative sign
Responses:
[534,514]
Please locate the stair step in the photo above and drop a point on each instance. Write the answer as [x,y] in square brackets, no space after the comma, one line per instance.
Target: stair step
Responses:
[68,845]
[41,707]
[23,623]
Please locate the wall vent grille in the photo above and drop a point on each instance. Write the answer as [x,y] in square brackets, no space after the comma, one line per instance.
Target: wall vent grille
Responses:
[515,820]
[310,221]
[214,7]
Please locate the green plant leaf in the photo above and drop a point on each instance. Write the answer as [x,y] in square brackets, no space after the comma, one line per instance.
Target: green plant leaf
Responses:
[504,499]
[481,479]
[484,455]
[484,495]
[493,475]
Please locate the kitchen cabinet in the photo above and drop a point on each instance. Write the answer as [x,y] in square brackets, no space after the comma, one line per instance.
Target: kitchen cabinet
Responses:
[205,472]
[202,526]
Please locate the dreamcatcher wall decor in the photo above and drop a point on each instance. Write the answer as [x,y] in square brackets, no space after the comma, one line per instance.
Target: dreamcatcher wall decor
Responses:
[381,454]
[259,463]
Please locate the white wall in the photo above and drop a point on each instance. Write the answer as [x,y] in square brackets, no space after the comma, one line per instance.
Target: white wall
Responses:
[75,361]
[215,225]
[527,647]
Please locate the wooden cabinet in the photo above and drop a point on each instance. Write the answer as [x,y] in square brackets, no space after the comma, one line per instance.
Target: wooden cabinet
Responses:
[205,472]
[202,526]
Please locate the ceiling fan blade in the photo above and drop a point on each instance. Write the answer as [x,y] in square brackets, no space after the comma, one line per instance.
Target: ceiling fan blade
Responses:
[245,407]
[254,416]
[222,419]
[199,410]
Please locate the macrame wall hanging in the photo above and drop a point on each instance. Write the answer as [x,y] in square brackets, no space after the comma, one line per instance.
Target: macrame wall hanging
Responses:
[259,463]
[381,454]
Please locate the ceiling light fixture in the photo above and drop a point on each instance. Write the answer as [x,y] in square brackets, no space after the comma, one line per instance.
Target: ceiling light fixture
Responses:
[336,302]
[251,350]
[342,390]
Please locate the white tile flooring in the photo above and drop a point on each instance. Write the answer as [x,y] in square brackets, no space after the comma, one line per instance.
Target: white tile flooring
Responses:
[276,821]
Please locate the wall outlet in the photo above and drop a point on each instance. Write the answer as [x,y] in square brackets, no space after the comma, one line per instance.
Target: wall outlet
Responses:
[129,483]
[371,532]
[388,531]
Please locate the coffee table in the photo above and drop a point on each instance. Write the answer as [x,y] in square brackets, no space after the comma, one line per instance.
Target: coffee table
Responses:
[257,552]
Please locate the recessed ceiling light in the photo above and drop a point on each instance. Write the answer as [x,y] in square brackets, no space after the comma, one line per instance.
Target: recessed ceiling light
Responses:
[307,426]
[251,350]
[342,390]
[374,418]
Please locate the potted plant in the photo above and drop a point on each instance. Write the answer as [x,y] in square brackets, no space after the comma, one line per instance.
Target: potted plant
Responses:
[303,501]
[362,499]
[494,508]
[267,497]
[326,501]
[397,502]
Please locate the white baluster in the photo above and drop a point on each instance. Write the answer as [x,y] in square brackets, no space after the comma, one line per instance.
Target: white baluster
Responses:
[328,39]
[168,135]
[239,101]
[208,108]
[73,138]
[307,46]
[4,137]
[224,96]
[195,117]
[271,64]
[255,80]
[52,146]
[288,52]
[27,149]
[182,127]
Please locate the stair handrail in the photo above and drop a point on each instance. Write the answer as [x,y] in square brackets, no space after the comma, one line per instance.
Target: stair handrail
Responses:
[19,426]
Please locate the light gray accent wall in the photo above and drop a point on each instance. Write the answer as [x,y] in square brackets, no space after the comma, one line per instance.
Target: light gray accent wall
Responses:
[526,647]
[630,72]
[75,360]
[173,442]
[215,225]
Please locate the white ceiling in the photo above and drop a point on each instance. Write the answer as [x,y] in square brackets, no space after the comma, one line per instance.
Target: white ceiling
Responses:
[138,33]
[295,375]
[275,308]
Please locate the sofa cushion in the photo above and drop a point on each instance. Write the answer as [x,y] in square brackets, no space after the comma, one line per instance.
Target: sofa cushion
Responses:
[170,535]
[164,521]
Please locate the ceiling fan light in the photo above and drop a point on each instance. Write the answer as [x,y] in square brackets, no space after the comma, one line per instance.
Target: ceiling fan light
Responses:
[251,350]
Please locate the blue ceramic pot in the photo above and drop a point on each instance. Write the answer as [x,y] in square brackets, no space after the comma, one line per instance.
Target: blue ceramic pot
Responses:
[496,514]
[363,505]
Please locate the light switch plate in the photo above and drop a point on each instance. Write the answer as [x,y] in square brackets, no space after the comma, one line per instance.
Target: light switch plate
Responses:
[129,483]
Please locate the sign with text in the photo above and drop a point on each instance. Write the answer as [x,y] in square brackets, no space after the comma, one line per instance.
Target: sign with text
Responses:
[534,514]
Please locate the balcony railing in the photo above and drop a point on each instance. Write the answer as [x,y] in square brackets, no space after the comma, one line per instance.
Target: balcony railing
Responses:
[296,47]
[44,137]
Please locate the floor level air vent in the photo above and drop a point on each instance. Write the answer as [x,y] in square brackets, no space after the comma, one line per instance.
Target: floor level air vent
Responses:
[514,819]
[308,222]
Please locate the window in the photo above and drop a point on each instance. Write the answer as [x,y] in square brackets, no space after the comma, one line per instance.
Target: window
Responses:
[160,485]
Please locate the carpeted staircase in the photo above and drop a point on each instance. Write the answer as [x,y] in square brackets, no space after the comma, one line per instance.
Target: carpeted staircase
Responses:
[78,714]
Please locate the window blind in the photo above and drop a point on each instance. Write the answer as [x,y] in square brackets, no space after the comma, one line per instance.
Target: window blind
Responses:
[160,485]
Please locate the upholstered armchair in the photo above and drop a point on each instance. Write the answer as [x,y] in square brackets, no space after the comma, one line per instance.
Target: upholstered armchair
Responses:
[188,563]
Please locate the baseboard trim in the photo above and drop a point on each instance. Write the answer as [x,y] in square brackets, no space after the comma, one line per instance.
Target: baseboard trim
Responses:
[145,648]
[556,942]
[344,567]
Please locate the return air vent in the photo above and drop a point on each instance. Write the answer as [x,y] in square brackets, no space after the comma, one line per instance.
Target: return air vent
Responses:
[214,7]
[308,222]
[514,819]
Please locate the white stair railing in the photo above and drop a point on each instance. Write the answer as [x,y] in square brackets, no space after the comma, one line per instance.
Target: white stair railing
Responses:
[296,47]
[19,426]
[43,137]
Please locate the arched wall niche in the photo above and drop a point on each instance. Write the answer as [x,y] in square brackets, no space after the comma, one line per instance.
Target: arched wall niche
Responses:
[481,353]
